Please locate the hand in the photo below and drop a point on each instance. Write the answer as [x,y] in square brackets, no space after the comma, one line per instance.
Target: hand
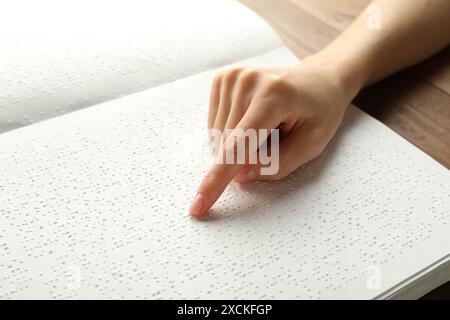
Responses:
[306,103]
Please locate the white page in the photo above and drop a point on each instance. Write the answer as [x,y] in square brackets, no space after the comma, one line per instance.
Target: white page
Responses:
[59,56]
[93,204]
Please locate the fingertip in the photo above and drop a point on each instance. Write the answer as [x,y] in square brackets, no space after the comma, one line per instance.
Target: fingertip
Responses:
[201,217]
[197,205]
[198,208]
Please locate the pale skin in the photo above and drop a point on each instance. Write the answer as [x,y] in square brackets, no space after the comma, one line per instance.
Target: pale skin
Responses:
[307,102]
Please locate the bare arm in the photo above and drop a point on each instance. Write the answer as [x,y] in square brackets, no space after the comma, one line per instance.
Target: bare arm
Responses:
[406,33]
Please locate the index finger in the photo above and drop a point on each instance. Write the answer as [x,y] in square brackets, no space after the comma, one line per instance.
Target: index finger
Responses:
[221,174]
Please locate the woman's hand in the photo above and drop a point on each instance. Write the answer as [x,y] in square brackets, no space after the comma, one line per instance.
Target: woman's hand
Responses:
[306,103]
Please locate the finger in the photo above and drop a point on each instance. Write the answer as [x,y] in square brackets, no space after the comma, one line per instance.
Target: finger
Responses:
[226,91]
[298,148]
[220,175]
[214,99]
[241,97]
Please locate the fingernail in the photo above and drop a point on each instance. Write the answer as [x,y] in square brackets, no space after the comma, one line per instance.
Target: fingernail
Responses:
[197,205]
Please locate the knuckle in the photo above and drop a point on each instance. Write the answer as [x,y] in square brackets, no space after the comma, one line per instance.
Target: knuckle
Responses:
[218,77]
[272,100]
[233,72]
[237,69]
[230,76]
[245,86]
[277,92]
[249,74]
[275,85]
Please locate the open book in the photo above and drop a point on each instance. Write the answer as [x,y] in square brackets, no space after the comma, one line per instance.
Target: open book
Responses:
[93,204]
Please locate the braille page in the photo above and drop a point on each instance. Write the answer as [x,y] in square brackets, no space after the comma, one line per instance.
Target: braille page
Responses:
[93,204]
[57,57]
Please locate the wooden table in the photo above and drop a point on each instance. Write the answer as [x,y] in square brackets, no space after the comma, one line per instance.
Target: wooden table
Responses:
[414,103]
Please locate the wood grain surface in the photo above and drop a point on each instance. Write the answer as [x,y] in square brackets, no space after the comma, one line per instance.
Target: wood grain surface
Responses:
[415,103]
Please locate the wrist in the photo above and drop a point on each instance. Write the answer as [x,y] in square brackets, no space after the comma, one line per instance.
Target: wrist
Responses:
[345,74]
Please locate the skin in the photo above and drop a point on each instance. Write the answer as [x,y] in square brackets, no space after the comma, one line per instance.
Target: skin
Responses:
[307,102]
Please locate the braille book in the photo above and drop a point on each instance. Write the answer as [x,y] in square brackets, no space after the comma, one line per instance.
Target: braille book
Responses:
[93,203]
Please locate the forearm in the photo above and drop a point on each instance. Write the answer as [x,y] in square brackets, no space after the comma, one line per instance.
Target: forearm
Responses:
[409,31]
